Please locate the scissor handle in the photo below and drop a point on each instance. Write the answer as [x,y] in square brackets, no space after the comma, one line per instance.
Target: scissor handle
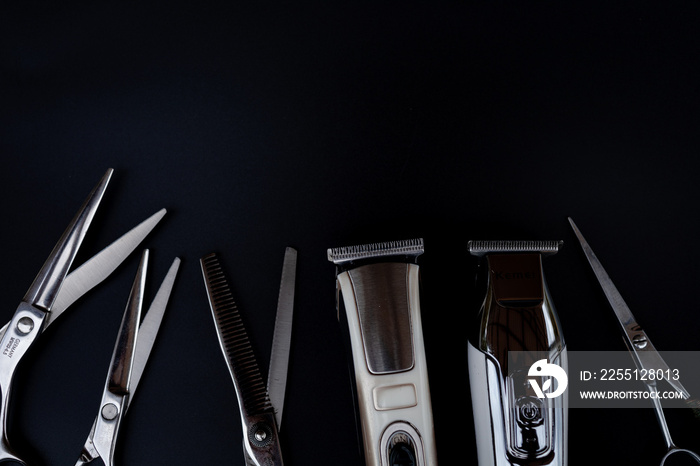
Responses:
[671,447]
[24,328]
[682,451]
[6,455]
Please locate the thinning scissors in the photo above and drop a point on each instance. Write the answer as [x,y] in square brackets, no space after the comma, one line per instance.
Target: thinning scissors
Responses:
[131,351]
[643,352]
[261,407]
[53,290]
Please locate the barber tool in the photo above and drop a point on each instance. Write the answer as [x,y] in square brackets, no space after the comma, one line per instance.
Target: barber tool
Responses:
[379,307]
[54,289]
[516,422]
[645,356]
[133,346]
[260,406]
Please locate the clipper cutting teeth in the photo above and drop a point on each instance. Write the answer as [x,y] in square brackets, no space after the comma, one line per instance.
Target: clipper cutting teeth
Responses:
[411,247]
[480,248]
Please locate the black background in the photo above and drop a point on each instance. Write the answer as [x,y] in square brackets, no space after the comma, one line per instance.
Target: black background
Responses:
[322,124]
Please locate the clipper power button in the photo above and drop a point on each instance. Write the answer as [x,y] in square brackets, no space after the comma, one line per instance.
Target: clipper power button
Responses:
[529,411]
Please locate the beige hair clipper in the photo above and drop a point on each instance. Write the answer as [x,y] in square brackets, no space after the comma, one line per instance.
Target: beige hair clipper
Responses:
[378,297]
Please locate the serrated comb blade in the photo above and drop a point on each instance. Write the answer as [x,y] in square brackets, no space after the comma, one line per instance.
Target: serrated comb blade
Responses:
[411,247]
[480,248]
[233,338]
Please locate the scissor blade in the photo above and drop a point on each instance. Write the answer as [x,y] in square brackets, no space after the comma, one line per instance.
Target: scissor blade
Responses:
[233,338]
[123,356]
[43,291]
[99,267]
[622,311]
[260,441]
[282,337]
[150,325]
[638,343]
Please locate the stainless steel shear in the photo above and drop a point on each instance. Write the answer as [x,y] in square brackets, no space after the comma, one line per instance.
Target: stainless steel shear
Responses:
[131,352]
[261,407]
[53,290]
[643,352]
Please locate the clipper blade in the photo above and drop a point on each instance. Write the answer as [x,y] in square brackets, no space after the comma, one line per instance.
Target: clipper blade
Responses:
[481,248]
[411,247]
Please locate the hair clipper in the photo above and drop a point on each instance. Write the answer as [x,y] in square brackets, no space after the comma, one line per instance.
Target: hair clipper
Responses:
[377,295]
[516,423]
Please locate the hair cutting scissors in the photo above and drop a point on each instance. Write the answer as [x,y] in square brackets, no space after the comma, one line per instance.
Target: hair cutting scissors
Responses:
[643,352]
[53,290]
[131,352]
[261,407]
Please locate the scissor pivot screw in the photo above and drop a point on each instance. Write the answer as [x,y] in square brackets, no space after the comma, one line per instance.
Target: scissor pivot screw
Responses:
[110,411]
[639,341]
[25,325]
[260,434]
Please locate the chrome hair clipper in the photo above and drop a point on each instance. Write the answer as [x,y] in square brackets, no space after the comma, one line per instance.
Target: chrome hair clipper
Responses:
[377,294]
[516,422]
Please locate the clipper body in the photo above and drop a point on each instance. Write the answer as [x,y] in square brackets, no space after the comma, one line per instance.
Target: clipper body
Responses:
[513,425]
[379,300]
